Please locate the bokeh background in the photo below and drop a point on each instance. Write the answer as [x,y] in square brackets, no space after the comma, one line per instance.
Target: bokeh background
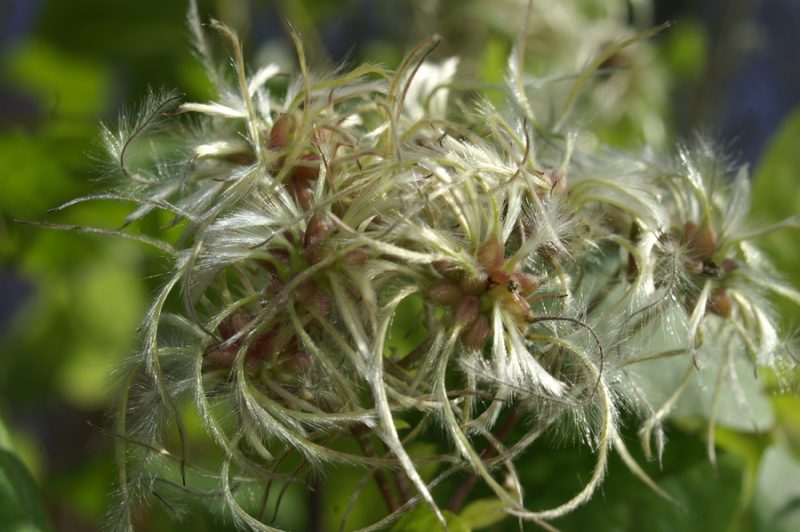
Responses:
[69,303]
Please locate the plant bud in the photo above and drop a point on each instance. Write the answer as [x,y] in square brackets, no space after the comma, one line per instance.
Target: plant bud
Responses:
[730,265]
[447,269]
[702,241]
[475,336]
[500,277]
[475,284]
[720,303]
[526,283]
[445,293]
[274,288]
[302,193]
[282,132]
[491,253]
[517,306]
[467,311]
[297,362]
[262,346]
[306,168]
[317,230]
[559,181]
[321,302]
[693,266]
[317,253]
[632,269]
[556,183]
[356,257]
[222,358]
[320,137]
[231,325]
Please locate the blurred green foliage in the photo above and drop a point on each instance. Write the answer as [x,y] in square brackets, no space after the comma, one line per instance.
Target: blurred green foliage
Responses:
[776,198]
[21,509]
[81,62]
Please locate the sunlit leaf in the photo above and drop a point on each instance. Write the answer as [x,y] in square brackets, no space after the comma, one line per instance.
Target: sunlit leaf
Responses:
[483,513]
[422,519]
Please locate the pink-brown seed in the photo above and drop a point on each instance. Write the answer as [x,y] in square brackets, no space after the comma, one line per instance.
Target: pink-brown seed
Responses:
[730,265]
[317,229]
[467,311]
[475,336]
[232,325]
[701,241]
[720,303]
[445,293]
[297,362]
[526,283]
[281,133]
[356,257]
[447,269]
[222,357]
[306,168]
[302,192]
[517,306]
[322,303]
[491,253]
[559,181]
[262,346]
[475,284]
[500,277]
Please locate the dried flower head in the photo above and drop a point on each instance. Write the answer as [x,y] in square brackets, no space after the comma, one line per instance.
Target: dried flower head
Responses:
[314,212]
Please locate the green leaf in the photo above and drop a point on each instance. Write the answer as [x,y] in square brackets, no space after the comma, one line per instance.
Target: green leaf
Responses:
[401,424]
[708,499]
[750,449]
[483,513]
[777,197]
[407,330]
[422,519]
[21,509]
[777,501]
[787,411]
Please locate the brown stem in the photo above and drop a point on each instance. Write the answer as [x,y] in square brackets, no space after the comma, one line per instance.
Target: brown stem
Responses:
[361,434]
[403,486]
[315,506]
[464,489]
